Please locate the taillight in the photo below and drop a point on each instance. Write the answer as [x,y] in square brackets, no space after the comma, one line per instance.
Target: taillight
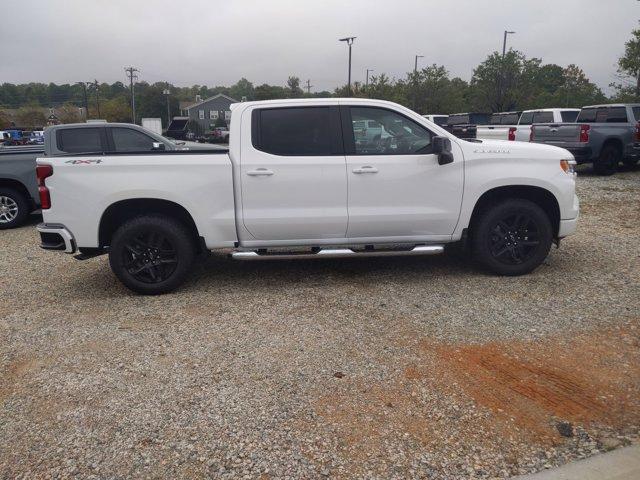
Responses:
[584,133]
[531,134]
[512,133]
[638,132]
[42,172]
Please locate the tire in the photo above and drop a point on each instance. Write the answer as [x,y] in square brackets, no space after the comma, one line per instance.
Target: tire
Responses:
[607,162]
[152,254]
[14,208]
[512,237]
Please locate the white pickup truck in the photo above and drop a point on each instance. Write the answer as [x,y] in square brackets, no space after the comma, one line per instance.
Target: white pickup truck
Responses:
[297,182]
[517,126]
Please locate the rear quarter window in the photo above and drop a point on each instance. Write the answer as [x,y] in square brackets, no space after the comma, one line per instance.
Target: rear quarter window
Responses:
[510,119]
[587,115]
[79,140]
[636,113]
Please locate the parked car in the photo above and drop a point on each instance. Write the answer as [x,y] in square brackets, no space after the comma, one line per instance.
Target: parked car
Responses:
[440,120]
[296,184]
[502,126]
[18,185]
[465,125]
[36,138]
[603,135]
[543,115]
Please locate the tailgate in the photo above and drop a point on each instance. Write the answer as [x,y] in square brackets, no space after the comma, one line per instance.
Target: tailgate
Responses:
[491,132]
[556,134]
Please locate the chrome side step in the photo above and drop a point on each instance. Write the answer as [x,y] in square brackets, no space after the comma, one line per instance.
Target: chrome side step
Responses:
[340,253]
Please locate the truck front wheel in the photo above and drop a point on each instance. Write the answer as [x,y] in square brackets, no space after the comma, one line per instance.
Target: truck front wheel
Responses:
[152,254]
[512,237]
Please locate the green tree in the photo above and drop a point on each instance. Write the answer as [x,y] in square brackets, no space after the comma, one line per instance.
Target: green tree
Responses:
[31,117]
[629,70]
[293,89]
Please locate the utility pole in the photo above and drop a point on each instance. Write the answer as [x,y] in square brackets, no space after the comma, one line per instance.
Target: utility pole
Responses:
[368,70]
[309,87]
[502,79]
[86,100]
[415,64]
[349,41]
[131,73]
[96,87]
[167,92]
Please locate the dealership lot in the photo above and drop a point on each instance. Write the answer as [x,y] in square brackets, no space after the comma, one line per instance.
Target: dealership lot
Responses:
[372,367]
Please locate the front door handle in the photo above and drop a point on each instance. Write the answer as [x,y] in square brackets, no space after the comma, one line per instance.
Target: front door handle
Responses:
[260,171]
[365,169]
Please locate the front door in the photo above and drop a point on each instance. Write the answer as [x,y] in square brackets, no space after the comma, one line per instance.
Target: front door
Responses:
[396,186]
[293,174]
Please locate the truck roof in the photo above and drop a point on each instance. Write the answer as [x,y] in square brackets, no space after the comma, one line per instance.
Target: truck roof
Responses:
[552,110]
[613,105]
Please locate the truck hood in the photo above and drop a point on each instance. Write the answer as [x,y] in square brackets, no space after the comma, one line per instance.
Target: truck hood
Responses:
[499,148]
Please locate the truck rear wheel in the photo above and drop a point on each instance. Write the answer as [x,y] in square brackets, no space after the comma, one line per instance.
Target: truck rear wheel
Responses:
[607,162]
[152,254]
[14,208]
[512,237]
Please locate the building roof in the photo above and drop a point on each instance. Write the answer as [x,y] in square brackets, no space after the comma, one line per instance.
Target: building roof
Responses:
[232,100]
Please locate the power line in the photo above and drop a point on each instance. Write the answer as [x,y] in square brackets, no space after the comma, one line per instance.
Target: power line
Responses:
[131,73]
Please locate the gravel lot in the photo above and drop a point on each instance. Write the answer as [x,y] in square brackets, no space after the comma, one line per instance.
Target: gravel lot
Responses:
[376,368]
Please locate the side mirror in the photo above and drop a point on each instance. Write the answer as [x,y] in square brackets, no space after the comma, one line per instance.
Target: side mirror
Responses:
[442,148]
[158,146]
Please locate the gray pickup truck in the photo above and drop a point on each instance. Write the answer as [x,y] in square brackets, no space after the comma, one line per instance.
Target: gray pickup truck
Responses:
[18,185]
[604,135]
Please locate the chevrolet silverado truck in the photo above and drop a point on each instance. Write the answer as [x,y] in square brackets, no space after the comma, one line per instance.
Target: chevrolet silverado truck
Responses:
[465,125]
[515,126]
[297,182]
[604,135]
[502,126]
[18,184]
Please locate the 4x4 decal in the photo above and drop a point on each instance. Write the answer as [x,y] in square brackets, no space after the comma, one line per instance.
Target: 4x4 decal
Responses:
[83,162]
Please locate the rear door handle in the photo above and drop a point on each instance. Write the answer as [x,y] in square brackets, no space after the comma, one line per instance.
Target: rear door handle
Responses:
[260,171]
[365,169]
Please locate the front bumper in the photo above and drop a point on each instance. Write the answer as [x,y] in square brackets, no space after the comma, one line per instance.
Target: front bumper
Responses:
[55,236]
[567,227]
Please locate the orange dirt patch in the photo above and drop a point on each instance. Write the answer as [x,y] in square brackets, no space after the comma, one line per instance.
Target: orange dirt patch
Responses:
[590,378]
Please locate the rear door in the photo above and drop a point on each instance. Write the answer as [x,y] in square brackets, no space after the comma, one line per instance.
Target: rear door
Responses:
[293,174]
[396,186]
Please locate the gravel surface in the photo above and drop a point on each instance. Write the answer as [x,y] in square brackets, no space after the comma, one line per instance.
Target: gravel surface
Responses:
[375,368]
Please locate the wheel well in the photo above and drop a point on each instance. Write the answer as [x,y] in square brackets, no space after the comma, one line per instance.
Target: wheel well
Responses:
[16,185]
[613,142]
[120,212]
[541,197]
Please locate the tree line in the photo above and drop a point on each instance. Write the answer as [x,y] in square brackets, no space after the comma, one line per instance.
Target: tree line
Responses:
[500,83]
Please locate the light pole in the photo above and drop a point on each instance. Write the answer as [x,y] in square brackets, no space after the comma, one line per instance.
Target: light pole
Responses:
[167,92]
[368,70]
[415,64]
[349,41]
[504,42]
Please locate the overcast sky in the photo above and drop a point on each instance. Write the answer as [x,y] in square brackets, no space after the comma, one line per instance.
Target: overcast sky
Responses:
[217,42]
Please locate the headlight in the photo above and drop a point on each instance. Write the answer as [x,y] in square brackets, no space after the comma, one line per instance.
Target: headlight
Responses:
[568,166]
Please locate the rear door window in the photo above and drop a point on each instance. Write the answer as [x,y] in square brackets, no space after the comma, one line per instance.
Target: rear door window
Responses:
[568,116]
[298,131]
[617,115]
[526,118]
[636,113]
[80,140]
[543,117]
[130,140]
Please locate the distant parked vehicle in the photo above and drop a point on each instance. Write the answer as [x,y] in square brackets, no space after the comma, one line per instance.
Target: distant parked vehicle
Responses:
[440,120]
[465,125]
[18,186]
[543,115]
[221,134]
[36,138]
[502,126]
[604,135]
